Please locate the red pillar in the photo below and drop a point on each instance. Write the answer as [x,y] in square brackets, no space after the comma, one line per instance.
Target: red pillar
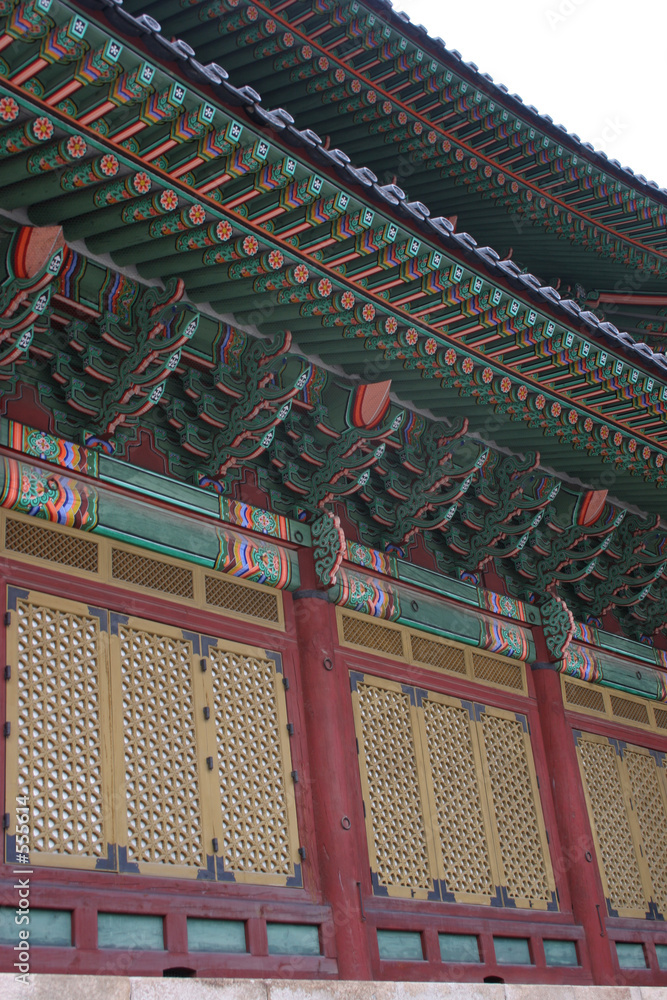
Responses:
[334,783]
[579,858]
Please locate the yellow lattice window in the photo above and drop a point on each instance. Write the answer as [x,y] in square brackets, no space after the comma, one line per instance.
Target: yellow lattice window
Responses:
[627,803]
[650,804]
[398,834]
[453,810]
[115,731]
[463,822]
[57,749]
[158,764]
[256,817]
[512,783]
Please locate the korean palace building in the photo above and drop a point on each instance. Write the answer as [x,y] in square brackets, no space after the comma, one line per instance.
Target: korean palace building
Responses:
[332,510]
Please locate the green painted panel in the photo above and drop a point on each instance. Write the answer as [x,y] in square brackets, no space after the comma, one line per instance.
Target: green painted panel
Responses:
[438,583]
[661,952]
[627,647]
[637,679]
[45,927]
[130,931]
[216,935]
[138,524]
[560,952]
[431,615]
[459,947]
[631,955]
[512,951]
[403,946]
[293,939]
[151,484]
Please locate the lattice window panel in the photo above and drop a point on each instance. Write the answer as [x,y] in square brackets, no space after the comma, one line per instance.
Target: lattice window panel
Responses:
[623,708]
[584,696]
[61,719]
[520,834]
[391,761]
[161,766]
[462,828]
[650,805]
[438,654]
[371,635]
[257,801]
[243,600]
[660,717]
[52,544]
[451,795]
[600,765]
[152,573]
[495,670]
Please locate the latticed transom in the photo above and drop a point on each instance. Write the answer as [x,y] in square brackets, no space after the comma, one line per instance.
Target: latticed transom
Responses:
[59,730]
[660,717]
[584,696]
[146,572]
[47,543]
[496,671]
[251,768]
[463,837]
[399,830]
[366,633]
[623,708]
[242,600]
[515,808]
[603,780]
[161,774]
[438,654]
[649,805]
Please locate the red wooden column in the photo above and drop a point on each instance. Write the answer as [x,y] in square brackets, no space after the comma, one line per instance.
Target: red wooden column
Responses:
[580,861]
[339,824]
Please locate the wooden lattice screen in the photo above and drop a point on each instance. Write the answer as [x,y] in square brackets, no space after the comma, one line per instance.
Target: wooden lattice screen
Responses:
[143,748]
[626,792]
[452,805]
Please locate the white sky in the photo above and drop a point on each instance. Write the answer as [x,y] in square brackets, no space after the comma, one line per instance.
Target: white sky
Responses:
[595,66]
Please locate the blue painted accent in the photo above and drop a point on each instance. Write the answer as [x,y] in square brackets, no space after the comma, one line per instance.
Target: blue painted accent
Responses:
[653,912]
[410,691]
[206,644]
[13,594]
[497,900]
[577,736]
[378,890]
[192,637]
[552,905]
[277,659]
[207,873]
[610,910]
[507,899]
[10,849]
[479,710]
[421,695]
[445,894]
[108,864]
[222,875]
[523,720]
[102,614]
[618,745]
[295,881]
[355,678]
[658,757]
[124,865]
[115,620]
[469,707]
